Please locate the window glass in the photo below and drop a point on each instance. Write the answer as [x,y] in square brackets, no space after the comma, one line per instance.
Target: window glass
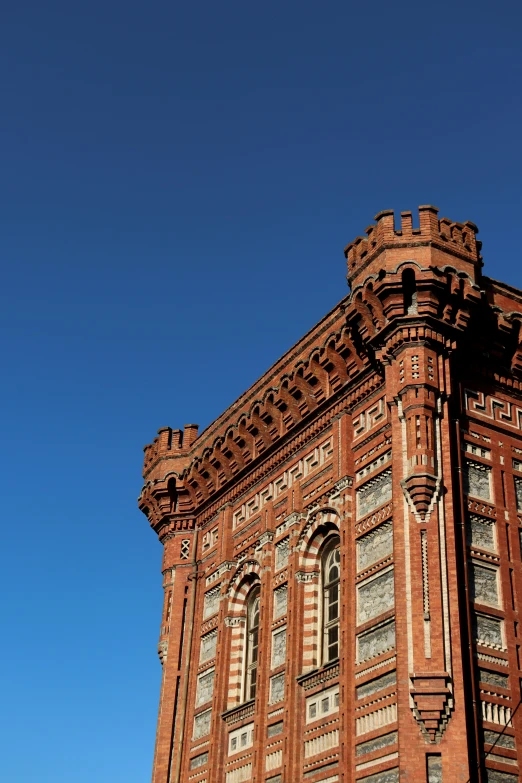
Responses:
[252,642]
[331,571]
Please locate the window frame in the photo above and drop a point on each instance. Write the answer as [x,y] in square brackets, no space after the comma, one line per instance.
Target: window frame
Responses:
[331,555]
[252,643]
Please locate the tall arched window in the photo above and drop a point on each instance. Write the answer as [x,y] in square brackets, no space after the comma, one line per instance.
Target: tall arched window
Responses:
[252,644]
[409,291]
[331,574]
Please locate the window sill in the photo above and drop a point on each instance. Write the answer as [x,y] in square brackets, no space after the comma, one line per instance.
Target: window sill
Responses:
[239,713]
[318,676]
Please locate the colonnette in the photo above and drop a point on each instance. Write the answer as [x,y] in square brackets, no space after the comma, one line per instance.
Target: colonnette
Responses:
[342,547]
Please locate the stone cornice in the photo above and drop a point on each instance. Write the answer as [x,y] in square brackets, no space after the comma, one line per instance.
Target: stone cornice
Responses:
[336,365]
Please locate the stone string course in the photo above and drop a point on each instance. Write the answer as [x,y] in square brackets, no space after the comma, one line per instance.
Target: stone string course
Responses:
[394,425]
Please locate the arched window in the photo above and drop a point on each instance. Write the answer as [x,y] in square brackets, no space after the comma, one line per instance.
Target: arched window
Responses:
[409,291]
[331,574]
[252,644]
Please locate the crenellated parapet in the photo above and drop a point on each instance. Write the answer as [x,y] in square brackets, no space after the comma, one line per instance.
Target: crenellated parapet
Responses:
[201,467]
[341,547]
[169,443]
[408,284]
[456,239]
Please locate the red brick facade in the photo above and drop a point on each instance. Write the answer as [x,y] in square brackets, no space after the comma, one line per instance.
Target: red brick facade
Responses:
[380,460]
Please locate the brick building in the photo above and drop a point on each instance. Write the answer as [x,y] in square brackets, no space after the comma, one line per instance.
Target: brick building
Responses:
[342,568]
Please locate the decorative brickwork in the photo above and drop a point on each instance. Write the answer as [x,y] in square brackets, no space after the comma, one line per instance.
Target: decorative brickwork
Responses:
[342,566]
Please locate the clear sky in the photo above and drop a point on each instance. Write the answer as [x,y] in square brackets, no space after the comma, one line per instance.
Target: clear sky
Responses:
[178,183]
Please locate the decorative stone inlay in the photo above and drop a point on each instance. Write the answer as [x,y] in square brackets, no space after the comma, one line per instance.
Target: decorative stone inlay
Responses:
[377,463]
[205,687]
[280,601]
[434,764]
[484,509]
[374,493]
[375,519]
[278,647]
[239,775]
[321,743]
[378,684]
[202,724]
[163,649]
[481,533]
[496,713]
[227,565]
[279,578]
[484,584]
[518,493]
[292,519]
[373,416]
[264,538]
[375,545]
[273,760]
[489,631]
[379,665]
[374,720]
[494,678]
[308,464]
[209,625]
[478,480]
[499,740]
[376,641]
[494,776]
[211,602]
[277,688]
[375,596]
[199,761]
[274,729]
[281,555]
[376,744]
[208,646]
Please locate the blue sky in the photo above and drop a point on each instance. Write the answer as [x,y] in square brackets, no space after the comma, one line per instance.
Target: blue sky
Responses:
[178,184]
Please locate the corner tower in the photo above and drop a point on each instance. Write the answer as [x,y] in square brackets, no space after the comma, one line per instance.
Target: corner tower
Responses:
[342,564]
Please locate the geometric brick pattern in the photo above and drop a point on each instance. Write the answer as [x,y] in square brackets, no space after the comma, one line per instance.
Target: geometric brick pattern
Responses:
[390,435]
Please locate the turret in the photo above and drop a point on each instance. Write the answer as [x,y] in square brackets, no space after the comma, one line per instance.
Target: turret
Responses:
[385,246]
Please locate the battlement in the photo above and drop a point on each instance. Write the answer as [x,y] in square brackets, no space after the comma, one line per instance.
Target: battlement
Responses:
[169,442]
[456,238]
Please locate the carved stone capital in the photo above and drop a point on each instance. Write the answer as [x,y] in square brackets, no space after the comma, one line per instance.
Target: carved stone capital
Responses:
[232,622]
[344,483]
[306,576]
[163,648]
[292,519]
[264,538]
